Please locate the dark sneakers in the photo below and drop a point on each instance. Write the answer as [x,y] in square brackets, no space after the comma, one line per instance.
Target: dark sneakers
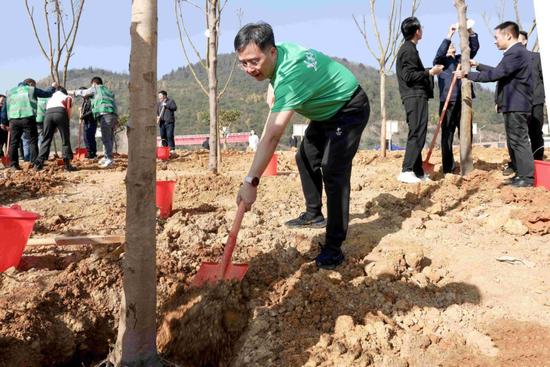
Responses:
[519,181]
[307,220]
[508,170]
[329,258]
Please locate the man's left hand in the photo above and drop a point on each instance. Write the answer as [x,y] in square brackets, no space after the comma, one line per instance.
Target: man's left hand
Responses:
[460,74]
[247,193]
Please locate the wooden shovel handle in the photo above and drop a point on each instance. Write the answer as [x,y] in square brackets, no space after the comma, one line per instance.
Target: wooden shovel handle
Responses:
[232,239]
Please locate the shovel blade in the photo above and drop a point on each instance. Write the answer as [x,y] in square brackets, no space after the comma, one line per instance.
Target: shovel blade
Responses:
[80,153]
[6,161]
[211,273]
[428,167]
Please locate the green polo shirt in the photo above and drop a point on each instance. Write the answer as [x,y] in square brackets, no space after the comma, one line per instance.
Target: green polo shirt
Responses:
[310,83]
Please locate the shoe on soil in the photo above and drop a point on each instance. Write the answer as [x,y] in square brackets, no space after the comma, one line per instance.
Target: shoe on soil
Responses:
[106,163]
[523,182]
[15,167]
[68,166]
[425,178]
[101,161]
[307,220]
[508,170]
[38,166]
[329,258]
[408,177]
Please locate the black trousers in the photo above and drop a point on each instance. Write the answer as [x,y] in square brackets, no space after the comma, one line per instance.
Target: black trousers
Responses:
[3,140]
[519,147]
[167,134]
[56,118]
[18,127]
[535,122]
[450,124]
[416,109]
[325,157]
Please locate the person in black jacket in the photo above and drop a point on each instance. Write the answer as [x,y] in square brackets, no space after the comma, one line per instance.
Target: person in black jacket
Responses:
[514,98]
[415,86]
[446,56]
[537,113]
[166,119]
[90,126]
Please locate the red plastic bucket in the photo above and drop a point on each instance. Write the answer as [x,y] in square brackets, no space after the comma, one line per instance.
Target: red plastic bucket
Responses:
[80,153]
[163,153]
[15,229]
[542,174]
[165,196]
[271,169]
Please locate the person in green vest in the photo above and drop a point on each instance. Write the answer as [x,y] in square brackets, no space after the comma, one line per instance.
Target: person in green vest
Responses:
[307,82]
[105,112]
[21,108]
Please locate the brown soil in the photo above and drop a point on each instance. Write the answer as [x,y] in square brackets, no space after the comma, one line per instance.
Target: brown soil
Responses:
[420,286]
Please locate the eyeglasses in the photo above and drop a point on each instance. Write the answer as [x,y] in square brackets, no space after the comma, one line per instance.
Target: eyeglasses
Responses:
[246,64]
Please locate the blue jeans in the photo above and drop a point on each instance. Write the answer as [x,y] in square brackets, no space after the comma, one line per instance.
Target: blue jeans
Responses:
[107,123]
[167,134]
[25,147]
[89,137]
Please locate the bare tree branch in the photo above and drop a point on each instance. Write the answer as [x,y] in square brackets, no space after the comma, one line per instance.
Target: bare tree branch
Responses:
[363,32]
[516,11]
[189,64]
[30,12]
[220,95]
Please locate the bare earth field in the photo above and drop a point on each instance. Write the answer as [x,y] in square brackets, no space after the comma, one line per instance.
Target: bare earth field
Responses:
[421,284]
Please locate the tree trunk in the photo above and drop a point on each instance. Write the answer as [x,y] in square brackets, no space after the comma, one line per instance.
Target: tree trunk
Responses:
[466,162]
[136,341]
[383,110]
[214,156]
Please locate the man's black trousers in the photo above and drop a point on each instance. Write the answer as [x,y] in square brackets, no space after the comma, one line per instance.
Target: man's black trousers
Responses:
[56,118]
[167,134]
[325,157]
[519,147]
[416,109]
[18,127]
[535,131]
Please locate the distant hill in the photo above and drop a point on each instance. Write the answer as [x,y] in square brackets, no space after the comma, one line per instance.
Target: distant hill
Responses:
[248,97]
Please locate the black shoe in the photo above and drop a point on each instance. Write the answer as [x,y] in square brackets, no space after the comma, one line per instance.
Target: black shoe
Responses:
[38,166]
[307,220]
[329,258]
[67,165]
[15,167]
[511,180]
[523,182]
[508,170]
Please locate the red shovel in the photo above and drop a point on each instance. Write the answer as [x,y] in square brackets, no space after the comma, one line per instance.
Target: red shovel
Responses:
[426,165]
[80,153]
[212,272]
[6,158]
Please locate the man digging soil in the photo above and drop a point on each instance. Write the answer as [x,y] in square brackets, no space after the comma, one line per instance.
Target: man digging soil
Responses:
[310,83]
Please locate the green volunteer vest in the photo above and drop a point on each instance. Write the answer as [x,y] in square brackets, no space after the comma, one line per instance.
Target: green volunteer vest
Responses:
[41,109]
[103,101]
[21,102]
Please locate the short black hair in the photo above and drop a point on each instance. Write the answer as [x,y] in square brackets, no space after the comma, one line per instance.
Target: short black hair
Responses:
[30,82]
[409,26]
[163,92]
[97,80]
[1,95]
[524,34]
[511,27]
[61,89]
[259,33]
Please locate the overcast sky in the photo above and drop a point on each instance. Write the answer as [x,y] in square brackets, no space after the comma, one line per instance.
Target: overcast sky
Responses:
[326,25]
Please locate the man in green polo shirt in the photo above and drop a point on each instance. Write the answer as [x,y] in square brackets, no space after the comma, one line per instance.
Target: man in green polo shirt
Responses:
[310,83]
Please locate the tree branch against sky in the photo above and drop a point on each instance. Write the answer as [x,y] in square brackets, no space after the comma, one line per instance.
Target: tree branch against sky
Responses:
[387,47]
[60,41]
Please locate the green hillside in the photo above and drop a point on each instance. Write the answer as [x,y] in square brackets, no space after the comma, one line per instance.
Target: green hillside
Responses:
[247,96]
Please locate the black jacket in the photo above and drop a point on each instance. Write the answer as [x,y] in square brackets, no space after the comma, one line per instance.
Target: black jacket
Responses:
[87,114]
[413,79]
[538,81]
[168,113]
[449,66]
[514,91]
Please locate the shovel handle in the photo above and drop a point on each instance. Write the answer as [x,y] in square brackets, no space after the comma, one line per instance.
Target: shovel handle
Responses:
[232,239]
[443,112]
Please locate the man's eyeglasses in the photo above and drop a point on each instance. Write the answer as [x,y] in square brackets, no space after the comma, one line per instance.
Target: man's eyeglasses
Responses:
[246,64]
